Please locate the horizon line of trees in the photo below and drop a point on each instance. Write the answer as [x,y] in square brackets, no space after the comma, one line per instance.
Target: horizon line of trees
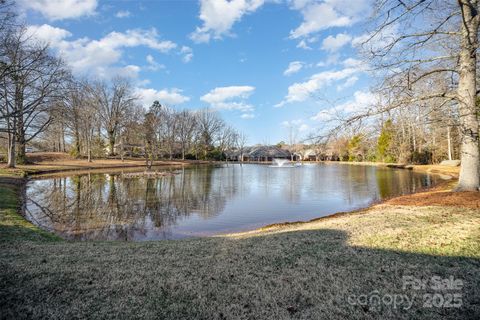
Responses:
[42,103]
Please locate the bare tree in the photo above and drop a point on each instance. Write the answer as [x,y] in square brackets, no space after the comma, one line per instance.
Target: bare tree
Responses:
[32,85]
[149,125]
[171,126]
[8,25]
[72,104]
[241,144]
[187,125]
[209,126]
[414,41]
[113,103]
[227,140]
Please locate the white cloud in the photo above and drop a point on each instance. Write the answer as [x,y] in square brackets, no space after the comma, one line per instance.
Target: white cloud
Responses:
[230,98]
[298,124]
[61,9]
[318,16]
[222,94]
[352,63]
[218,17]
[303,127]
[332,59]
[347,84]
[164,96]
[187,53]
[48,34]
[303,45]
[152,64]
[293,67]
[302,91]
[324,115]
[123,14]
[130,71]
[333,44]
[87,56]
[247,116]
[362,101]
[291,123]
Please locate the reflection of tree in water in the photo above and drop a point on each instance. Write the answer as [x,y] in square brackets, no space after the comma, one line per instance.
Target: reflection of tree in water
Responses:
[400,181]
[110,206]
[104,206]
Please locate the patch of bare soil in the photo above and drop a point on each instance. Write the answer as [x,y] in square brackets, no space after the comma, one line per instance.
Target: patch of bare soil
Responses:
[466,199]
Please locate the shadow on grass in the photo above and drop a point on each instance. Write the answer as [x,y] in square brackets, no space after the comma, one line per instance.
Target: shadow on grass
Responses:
[292,275]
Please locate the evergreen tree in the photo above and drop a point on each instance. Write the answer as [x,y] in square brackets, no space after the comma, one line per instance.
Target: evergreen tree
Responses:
[385,142]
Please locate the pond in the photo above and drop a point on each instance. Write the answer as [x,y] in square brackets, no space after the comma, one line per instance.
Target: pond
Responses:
[206,200]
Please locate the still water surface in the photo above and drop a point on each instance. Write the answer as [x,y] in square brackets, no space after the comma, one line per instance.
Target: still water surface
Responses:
[206,200]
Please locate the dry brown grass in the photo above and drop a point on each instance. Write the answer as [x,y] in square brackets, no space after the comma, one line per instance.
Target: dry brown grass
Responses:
[446,171]
[301,273]
[58,163]
[297,271]
[469,199]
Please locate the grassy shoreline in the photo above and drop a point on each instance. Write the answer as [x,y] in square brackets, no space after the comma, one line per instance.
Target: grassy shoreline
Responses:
[13,226]
[448,172]
[300,270]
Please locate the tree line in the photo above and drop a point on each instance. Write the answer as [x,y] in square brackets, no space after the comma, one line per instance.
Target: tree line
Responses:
[42,103]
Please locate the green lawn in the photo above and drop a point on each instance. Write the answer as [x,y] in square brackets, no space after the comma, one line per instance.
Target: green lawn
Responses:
[13,227]
[317,270]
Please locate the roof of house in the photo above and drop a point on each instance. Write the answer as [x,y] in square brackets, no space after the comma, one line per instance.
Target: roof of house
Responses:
[269,151]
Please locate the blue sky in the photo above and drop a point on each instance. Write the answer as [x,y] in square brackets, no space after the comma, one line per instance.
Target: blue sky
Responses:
[265,65]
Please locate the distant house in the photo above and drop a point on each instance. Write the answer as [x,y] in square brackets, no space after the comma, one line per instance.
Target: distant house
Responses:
[310,155]
[31,149]
[259,153]
[130,149]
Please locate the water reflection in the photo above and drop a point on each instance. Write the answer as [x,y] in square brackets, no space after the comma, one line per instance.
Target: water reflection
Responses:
[206,199]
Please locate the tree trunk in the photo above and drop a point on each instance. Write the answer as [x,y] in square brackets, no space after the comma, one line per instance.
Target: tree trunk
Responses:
[121,149]
[77,141]
[64,149]
[11,141]
[449,142]
[89,149]
[11,151]
[20,131]
[469,152]
[111,142]
[21,143]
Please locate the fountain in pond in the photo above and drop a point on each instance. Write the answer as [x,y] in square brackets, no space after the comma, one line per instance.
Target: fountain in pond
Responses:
[280,162]
[283,163]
